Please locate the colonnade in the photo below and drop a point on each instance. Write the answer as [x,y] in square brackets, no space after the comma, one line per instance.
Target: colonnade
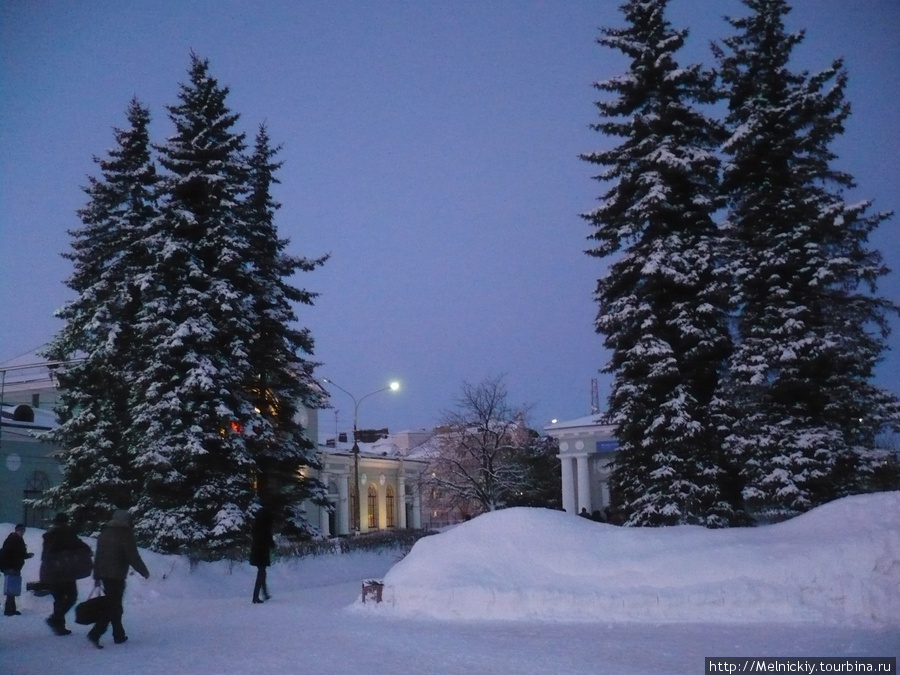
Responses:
[342,516]
[577,492]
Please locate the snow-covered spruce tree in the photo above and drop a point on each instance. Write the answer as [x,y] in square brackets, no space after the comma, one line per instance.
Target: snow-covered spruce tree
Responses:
[283,378]
[203,437]
[98,340]
[811,327]
[662,303]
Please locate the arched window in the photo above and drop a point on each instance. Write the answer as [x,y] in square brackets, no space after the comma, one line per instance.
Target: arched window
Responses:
[389,506]
[34,489]
[373,507]
[354,509]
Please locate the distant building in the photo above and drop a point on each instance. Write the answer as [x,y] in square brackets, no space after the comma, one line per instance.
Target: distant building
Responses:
[388,483]
[586,447]
[388,474]
[28,466]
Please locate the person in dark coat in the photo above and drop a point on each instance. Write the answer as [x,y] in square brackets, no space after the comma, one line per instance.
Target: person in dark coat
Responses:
[60,580]
[261,543]
[14,554]
[116,553]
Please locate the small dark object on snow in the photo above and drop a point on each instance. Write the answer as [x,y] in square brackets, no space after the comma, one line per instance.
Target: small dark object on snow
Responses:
[39,589]
[373,588]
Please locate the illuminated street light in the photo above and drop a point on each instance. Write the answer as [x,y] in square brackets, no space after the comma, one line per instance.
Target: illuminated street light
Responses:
[393,386]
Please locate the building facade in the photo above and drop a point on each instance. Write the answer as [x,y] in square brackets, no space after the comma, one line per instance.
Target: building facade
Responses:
[28,466]
[587,445]
[389,486]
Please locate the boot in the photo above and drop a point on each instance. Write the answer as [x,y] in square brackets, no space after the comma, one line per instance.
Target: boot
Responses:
[58,626]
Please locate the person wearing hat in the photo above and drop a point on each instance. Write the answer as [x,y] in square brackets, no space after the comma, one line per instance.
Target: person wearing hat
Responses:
[116,553]
[14,554]
[58,572]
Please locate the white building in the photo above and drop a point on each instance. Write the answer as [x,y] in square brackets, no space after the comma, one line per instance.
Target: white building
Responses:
[586,447]
[388,481]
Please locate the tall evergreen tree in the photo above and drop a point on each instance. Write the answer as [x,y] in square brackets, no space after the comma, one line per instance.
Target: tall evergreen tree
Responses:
[204,442]
[283,378]
[108,255]
[811,327]
[662,302]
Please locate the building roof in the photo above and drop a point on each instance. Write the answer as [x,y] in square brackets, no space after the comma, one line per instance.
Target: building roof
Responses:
[36,419]
[596,420]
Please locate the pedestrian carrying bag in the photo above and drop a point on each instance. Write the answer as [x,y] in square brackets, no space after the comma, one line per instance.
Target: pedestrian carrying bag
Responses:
[12,584]
[95,608]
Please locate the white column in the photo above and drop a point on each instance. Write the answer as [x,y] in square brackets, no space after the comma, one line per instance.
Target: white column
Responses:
[417,510]
[363,501]
[400,501]
[323,512]
[343,505]
[568,485]
[584,486]
[382,504]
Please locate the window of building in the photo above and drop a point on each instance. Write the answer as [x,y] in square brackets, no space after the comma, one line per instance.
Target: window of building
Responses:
[389,505]
[373,507]
[34,488]
[354,508]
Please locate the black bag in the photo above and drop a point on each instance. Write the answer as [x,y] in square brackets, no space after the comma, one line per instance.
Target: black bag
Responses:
[68,564]
[39,588]
[95,608]
[82,561]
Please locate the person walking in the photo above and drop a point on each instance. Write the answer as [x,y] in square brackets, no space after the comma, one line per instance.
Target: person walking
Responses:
[116,553]
[13,554]
[64,559]
[261,544]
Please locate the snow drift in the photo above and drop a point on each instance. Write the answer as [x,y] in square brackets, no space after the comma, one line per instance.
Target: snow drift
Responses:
[838,564]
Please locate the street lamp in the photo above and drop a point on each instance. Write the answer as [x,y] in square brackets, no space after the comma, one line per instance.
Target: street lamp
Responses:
[393,386]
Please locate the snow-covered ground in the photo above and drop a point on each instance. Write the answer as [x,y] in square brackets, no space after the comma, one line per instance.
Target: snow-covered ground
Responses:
[521,591]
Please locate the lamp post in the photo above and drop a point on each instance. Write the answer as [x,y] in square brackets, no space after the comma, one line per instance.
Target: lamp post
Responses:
[393,386]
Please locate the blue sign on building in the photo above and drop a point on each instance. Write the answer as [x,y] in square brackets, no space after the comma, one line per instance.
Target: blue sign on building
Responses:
[607,446]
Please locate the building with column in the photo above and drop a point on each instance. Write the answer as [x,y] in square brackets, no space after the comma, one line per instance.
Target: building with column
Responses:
[389,485]
[586,447]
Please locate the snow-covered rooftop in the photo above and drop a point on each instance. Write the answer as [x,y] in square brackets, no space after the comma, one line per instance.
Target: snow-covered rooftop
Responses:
[594,420]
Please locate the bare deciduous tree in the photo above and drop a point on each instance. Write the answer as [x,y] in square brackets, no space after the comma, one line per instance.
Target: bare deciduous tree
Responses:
[477,463]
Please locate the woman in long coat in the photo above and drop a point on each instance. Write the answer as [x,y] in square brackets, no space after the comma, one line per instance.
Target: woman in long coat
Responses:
[261,543]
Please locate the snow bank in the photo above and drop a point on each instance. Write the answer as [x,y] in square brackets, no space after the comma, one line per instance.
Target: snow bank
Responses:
[838,564]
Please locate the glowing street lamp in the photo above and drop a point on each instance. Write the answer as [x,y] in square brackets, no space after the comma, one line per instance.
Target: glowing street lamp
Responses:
[393,386]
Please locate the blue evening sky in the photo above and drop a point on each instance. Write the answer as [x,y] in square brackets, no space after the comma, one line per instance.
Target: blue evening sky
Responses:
[429,147]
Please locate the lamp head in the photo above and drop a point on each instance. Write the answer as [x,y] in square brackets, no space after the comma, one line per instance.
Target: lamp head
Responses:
[394,386]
